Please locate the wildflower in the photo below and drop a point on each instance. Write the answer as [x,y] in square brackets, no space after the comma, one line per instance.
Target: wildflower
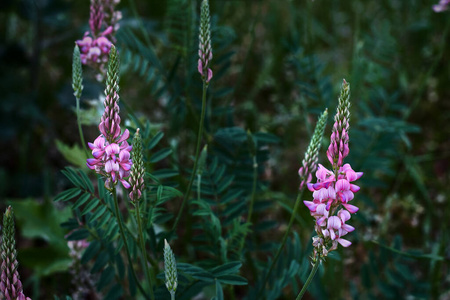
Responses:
[205,50]
[96,44]
[441,6]
[309,163]
[334,188]
[110,149]
[137,170]
[10,285]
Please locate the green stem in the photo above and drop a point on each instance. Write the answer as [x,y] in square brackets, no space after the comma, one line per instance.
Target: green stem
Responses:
[291,222]
[310,278]
[79,128]
[122,233]
[172,296]
[197,153]
[150,279]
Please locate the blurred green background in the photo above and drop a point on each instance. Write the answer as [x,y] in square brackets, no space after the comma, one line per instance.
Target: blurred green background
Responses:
[277,65]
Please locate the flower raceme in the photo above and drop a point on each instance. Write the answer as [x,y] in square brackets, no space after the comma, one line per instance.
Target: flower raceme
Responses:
[334,188]
[110,149]
[329,194]
[96,44]
[205,50]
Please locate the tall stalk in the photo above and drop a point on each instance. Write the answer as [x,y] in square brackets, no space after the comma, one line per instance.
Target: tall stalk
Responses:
[149,275]
[197,154]
[122,233]
[291,222]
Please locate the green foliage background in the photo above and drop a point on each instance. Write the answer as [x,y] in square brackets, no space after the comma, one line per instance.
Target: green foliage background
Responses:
[277,65]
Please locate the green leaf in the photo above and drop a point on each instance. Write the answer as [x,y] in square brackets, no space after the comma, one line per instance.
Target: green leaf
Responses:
[67,194]
[106,277]
[165,173]
[97,213]
[100,262]
[226,269]
[74,155]
[233,280]
[90,251]
[160,155]
[77,235]
[155,140]
[219,291]
[94,202]
[85,197]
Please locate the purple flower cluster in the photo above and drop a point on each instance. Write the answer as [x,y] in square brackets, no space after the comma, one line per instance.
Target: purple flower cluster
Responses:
[96,44]
[329,194]
[443,5]
[333,190]
[110,149]
[111,160]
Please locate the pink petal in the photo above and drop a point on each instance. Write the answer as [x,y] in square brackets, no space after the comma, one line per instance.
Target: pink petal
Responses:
[344,242]
[351,208]
[310,205]
[125,183]
[354,188]
[334,222]
[210,75]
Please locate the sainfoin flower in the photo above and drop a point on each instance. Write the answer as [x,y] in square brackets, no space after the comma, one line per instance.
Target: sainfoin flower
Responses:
[334,190]
[204,47]
[10,285]
[95,45]
[110,149]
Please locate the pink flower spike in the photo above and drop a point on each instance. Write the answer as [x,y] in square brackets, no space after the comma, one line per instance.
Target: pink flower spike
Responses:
[351,208]
[344,242]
